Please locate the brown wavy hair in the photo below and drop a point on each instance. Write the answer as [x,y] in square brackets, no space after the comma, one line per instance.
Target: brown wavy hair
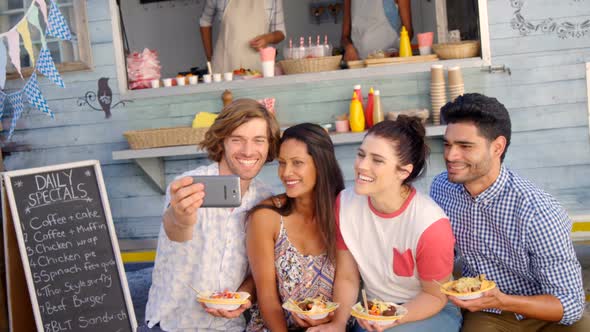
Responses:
[231,117]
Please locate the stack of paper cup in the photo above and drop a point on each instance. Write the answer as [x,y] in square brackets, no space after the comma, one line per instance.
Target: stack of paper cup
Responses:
[438,93]
[456,85]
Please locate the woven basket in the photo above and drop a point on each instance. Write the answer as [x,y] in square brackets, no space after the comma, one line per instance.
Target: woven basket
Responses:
[155,138]
[311,65]
[460,50]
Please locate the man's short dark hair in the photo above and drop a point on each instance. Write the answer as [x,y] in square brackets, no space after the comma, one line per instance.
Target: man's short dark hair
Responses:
[489,116]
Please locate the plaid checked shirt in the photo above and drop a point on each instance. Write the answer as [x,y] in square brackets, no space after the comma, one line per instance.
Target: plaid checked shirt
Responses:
[274,10]
[518,236]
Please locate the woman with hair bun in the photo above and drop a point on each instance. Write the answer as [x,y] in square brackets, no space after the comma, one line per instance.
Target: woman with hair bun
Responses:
[397,240]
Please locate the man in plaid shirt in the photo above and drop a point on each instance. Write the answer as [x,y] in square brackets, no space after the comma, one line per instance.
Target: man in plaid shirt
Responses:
[506,228]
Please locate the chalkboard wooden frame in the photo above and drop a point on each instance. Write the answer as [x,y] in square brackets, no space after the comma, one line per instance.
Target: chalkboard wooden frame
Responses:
[14,212]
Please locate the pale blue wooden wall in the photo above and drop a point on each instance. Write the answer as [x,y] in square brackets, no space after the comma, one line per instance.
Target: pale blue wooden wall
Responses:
[546,95]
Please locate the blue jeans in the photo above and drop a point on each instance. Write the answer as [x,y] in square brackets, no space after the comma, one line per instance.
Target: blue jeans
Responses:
[449,319]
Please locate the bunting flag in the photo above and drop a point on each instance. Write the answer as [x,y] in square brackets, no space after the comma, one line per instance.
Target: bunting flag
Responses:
[16,101]
[35,97]
[46,66]
[12,37]
[43,7]
[3,59]
[33,17]
[57,26]
[23,29]
[2,98]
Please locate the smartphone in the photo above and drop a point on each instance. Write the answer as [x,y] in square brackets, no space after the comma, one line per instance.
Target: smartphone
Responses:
[220,190]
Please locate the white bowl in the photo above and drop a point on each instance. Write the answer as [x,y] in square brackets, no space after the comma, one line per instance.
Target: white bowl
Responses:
[228,307]
[225,304]
[486,286]
[314,316]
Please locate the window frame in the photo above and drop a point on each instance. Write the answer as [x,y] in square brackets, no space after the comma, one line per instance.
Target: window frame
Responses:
[483,61]
[85,63]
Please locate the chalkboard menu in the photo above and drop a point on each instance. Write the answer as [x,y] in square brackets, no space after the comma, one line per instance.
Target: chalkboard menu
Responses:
[69,249]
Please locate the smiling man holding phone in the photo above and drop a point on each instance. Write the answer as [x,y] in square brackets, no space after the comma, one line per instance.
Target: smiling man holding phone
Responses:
[205,247]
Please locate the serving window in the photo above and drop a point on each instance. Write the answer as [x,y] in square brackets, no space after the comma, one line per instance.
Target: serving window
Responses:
[171,29]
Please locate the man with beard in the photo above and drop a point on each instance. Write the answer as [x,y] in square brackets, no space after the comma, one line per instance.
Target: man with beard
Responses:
[506,228]
[206,248]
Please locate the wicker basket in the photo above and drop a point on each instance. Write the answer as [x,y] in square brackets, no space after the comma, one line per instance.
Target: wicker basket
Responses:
[155,138]
[463,49]
[311,65]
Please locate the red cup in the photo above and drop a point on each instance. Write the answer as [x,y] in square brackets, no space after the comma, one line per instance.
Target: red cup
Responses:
[425,39]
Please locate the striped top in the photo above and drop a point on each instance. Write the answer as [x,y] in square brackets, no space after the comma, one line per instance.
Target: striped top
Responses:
[298,277]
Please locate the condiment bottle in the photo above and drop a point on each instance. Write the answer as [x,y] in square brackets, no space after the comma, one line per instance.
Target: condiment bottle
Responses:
[227,97]
[359,92]
[327,47]
[377,110]
[356,116]
[405,49]
[369,109]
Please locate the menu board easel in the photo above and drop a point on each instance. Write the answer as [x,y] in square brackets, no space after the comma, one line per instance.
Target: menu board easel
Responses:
[60,244]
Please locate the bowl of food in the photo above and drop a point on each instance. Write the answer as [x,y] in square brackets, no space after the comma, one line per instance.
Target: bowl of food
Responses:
[379,312]
[467,288]
[225,300]
[314,308]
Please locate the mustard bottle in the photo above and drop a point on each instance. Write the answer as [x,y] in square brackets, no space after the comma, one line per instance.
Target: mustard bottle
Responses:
[377,110]
[356,116]
[405,49]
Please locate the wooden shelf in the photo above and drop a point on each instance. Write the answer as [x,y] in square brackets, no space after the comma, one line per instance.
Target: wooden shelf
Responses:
[151,161]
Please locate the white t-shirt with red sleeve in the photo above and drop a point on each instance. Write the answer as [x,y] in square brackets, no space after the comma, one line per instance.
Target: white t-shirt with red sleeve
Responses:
[395,251]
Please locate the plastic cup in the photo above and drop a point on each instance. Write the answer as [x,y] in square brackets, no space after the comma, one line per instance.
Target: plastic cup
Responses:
[229,76]
[167,82]
[181,81]
[425,39]
[342,126]
[425,50]
[155,83]
[268,68]
[217,77]
[193,80]
[207,78]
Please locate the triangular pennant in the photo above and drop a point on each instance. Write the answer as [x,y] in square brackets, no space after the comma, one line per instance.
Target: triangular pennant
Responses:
[43,7]
[2,64]
[46,66]
[23,29]
[2,98]
[33,17]
[35,97]
[16,101]
[57,26]
[12,37]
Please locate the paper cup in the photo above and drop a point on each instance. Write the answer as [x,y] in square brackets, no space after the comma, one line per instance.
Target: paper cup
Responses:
[217,77]
[207,78]
[437,74]
[181,81]
[455,76]
[193,80]
[268,68]
[167,82]
[229,76]
[155,83]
